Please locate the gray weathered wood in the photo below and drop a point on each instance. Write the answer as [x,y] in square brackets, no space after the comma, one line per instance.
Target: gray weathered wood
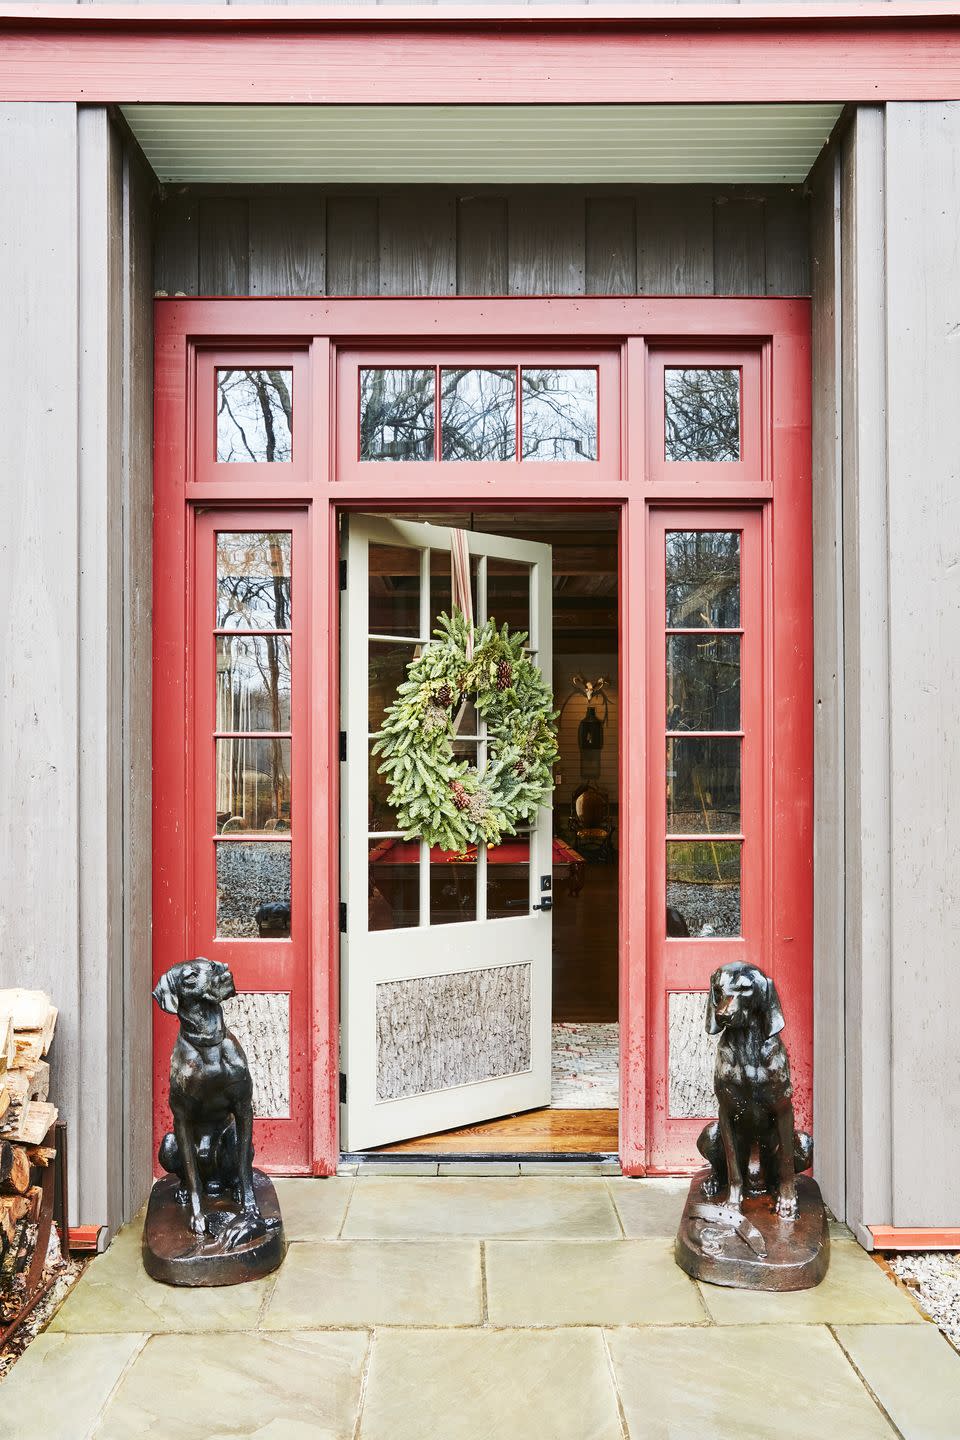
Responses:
[611,245]
[738,239]
[178,245]
[546,243]
[922,177]
[287,244]
[675,241]
[418,243]
[224,241]
[481,245]
[786,246]
[353,245]
[829,1077]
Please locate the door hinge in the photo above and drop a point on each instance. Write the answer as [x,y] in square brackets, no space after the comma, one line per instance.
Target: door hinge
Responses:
[343,744]
[343,1088]
[343,917]
[343,574]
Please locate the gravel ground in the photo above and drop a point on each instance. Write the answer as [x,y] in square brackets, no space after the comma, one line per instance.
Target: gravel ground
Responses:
[68,1272]
[707,909]
[934,1277]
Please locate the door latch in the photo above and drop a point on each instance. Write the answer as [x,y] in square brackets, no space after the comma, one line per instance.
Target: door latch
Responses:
[545,904]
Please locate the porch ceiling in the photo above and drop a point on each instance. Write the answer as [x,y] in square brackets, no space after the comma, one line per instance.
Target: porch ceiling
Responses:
[481,144]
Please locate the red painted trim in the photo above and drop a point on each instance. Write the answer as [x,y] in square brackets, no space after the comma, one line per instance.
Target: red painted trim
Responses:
[776,56]
[499,15]
[84,1238]
[903,1237]
[188,332]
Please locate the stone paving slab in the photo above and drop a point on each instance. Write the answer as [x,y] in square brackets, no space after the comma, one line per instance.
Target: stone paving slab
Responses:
[117,1295]
[589,1282]
[757,1381]
[373,1282]
[313,1209]
[60,1384]
[446,1208]
[854,1291]
[481,1384]
[274,1387]
[649,1207]
[914,1373]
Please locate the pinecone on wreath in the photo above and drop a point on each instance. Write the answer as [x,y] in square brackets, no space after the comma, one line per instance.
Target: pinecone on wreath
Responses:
[444,696]
[460,797]
[504,675]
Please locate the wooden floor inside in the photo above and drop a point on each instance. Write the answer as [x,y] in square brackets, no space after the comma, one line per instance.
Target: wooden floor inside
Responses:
[536,1132]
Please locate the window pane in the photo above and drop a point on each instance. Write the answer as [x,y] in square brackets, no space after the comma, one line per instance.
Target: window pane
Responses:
[253,580]
[380,813]
[702,414]
[396,414]
[254,415]
[703,786]
[559,414]
[703,682]
[253,682]
[508,878]
[453,887]
[478,414]
[394,885]
[387,668]
[440,588]
[508,593]
[253,889]
[253,786]
[394,580]
[703,888]
[703,579]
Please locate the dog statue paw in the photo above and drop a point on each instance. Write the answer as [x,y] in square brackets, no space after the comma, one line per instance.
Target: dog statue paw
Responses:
[769,1216]
[214,1219]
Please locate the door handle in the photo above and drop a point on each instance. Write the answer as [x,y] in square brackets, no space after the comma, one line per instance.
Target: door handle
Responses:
[545,904]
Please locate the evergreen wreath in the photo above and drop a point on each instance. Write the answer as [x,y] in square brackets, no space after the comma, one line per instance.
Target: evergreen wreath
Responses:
[446,801]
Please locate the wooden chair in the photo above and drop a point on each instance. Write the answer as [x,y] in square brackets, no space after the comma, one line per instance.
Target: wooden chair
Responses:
[591,826]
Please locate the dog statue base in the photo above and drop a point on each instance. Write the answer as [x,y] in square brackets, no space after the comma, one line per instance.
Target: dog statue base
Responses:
[753,1248]
[173,1254]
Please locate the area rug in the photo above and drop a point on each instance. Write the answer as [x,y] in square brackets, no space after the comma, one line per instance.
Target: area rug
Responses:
[586,1067]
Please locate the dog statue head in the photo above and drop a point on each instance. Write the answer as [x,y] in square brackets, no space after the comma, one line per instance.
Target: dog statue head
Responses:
[738,992]
[198,979]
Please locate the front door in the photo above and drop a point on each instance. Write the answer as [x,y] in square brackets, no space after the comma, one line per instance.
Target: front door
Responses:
[445,956]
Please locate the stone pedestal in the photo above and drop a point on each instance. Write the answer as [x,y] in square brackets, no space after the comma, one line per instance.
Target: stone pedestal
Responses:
[754,1249]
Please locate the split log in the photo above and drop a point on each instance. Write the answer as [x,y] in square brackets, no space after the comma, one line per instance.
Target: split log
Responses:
[13,1209]
[35,1121]
[8,1049]
[40,1155]
[14,1169]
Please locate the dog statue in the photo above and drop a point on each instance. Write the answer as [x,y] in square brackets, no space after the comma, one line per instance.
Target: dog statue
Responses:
[210,1149]
[730,1233]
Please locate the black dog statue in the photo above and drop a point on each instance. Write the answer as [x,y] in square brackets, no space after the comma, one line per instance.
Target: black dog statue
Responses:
[209,1153]
[759,1226]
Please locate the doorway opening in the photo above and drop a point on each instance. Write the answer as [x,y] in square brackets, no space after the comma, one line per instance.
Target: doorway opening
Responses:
[581,1109]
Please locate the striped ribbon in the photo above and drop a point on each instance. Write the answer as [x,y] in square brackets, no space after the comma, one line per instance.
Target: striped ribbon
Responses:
[460,582]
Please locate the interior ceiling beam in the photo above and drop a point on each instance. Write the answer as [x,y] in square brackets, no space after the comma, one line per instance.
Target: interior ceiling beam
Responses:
[285,55]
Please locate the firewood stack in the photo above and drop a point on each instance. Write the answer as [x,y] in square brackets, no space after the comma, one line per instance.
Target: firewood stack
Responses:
[27,1021]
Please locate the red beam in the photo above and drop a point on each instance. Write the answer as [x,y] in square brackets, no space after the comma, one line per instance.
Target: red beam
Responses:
[227,57]
[903,1237]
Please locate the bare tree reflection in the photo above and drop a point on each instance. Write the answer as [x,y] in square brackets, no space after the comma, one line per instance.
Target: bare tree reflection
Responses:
[703,579]
[478,411]
[396,414]
[559,414]
[253,580]
[702,414]
[254,415]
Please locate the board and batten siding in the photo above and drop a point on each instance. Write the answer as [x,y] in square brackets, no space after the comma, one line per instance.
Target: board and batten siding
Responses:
[650,240]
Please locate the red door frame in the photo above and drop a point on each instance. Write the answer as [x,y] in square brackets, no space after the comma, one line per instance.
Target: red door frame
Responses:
[777,331]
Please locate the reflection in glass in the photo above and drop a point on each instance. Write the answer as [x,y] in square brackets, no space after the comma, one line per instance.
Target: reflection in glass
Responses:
[559,414]
[478,414]
[253,580]
[508,593]
[453,887]
[380,813]
[254,415]
[508,878]
[703,888]
[253,682]
[394,580]
[387,668]
[702,414]
[703,682]
[253,786]
[253,889]
[396,414]
[703,786]
[394,885]
[703,579]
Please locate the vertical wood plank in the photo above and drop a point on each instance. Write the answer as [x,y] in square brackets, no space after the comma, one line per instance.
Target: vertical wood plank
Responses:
[546,243]
[739,262]
[787,243]
[675,241]
[287,244]
[418,250]
[177,264]
[482,245]
[611,246]
[224,245]
[353,245]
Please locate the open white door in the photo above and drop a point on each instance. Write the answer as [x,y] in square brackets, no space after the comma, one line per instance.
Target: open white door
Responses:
[445,961]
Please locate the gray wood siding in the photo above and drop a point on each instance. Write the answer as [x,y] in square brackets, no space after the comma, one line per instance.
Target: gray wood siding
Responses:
[651,240]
